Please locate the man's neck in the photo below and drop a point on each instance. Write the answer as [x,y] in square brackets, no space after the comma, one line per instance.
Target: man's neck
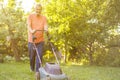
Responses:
[38,14]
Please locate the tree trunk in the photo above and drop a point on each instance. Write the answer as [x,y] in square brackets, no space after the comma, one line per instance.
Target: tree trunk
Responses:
[90,58]
[13,44]
[15,49]
[65,55]
[1,58]
[90,53]
[66,52]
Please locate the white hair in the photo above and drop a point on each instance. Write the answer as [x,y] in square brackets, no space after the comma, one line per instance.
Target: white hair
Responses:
[37,4]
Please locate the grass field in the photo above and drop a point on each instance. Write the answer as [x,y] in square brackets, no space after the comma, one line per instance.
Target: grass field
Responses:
[20,71]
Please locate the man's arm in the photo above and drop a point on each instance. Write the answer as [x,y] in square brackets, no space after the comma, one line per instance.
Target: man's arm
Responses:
[30,29]
[29,25]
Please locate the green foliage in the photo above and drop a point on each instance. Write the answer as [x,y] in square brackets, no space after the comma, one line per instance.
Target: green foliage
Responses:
[72,21]
[81,29]
[13,28]
[110,55]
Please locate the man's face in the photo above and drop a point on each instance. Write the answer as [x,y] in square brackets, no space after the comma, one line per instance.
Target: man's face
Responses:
[38,10]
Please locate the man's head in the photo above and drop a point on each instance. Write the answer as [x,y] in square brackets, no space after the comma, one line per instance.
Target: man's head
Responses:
[38,8]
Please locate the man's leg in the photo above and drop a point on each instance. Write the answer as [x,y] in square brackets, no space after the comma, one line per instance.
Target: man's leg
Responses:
[31,56]
[40,51]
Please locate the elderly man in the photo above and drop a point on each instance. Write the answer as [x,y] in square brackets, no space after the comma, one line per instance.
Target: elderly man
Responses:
[36,21]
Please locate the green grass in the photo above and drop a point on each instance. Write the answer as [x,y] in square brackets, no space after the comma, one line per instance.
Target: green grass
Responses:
[92,73]
[20,71]
[15,71]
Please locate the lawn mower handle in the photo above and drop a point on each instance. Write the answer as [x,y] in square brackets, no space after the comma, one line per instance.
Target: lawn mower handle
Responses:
[39,30]
[33,37]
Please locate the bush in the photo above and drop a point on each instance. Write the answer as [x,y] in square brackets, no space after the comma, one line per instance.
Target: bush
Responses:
[111,57]
[9,58]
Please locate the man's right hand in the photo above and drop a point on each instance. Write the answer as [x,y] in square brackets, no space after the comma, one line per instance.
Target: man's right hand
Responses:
[33,31]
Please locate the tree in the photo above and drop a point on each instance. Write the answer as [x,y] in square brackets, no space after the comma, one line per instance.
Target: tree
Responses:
[13,20]
[80,26]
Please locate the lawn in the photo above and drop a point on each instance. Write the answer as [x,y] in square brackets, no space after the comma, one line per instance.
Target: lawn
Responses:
[20,71]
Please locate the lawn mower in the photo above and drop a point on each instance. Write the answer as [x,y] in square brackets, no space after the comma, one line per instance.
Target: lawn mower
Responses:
[51,71]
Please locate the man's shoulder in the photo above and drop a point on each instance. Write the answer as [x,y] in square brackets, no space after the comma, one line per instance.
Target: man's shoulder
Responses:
[44,17]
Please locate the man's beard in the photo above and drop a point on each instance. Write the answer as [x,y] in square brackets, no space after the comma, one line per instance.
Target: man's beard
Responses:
[38,13]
